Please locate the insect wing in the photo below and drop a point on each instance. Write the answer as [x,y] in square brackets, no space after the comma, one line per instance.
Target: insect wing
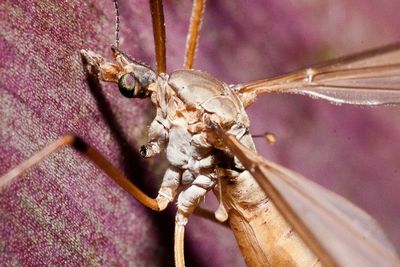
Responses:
[338,232]
[369,78]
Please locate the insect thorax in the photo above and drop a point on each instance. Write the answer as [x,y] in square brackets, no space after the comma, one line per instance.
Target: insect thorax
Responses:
[188,102]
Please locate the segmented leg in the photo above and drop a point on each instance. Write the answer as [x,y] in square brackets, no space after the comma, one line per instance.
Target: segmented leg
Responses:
[193,33]
[178,243]
[89,153]
[101,162]
[157,15]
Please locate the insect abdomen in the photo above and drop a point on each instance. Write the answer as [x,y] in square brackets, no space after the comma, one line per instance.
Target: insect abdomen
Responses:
[263,235]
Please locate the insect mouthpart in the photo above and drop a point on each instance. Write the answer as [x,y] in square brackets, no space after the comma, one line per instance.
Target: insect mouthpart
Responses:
[130,87]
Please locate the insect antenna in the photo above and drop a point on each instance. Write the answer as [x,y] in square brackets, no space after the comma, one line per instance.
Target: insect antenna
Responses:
[117,22]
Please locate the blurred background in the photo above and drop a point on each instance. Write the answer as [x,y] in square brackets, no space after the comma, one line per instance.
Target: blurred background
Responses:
[66,212]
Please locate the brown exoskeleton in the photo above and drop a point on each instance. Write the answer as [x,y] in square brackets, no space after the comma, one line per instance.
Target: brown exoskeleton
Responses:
[199,120]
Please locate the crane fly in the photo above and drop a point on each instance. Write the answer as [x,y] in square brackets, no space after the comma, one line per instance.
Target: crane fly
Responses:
[215,121]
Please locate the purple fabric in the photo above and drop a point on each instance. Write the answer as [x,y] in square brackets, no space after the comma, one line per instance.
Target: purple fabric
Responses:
[66,212]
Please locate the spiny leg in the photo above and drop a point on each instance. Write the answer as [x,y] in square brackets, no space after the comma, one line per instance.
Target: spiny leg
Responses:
[157,16]
[193,33]
[90,153]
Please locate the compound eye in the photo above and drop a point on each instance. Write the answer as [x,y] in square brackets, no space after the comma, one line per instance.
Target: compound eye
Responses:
[130,87]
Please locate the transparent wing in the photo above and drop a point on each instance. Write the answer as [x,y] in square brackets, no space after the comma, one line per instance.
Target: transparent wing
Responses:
[338,232]
[368,78]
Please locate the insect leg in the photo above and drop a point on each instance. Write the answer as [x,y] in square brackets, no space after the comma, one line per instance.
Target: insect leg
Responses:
[90,153]
[193,33]
[169,186]
[191,197]
[178,241]
[187,201]
[157,16]
[168,191]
